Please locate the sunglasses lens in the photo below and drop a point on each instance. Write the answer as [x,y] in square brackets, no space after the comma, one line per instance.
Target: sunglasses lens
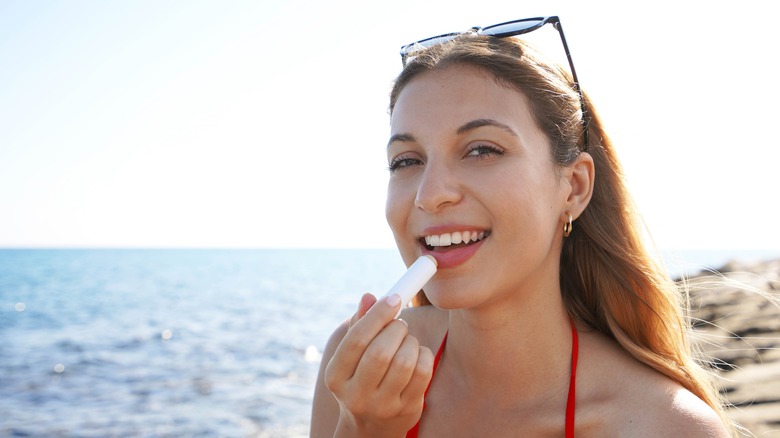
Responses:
[514,27]
[410,49]
[429,42]
[437,40]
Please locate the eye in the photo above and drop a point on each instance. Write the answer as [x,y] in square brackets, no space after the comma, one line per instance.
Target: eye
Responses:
[402,162]
[482,151]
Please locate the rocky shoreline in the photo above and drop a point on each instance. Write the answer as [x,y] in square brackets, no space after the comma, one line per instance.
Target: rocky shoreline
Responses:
[737,325]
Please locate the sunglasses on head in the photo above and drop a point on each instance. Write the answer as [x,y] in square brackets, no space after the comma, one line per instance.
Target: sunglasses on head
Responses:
[504,30]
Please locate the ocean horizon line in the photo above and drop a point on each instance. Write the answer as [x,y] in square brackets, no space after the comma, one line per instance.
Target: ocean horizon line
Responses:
[676,261]
[194,248]
[260,247]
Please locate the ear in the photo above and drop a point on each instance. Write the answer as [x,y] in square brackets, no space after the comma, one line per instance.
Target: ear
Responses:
[580,178]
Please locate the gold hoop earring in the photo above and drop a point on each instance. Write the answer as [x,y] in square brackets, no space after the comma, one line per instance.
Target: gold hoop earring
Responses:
[568,226]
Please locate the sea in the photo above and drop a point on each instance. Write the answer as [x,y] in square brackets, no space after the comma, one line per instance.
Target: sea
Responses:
[184,342]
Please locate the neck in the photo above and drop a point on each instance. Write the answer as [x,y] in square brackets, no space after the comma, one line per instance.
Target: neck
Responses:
[516,351]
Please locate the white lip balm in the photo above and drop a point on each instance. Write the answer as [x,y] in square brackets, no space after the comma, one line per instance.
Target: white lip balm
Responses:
[413,280]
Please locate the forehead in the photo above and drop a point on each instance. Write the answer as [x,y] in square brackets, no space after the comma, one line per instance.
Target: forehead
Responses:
[447,98]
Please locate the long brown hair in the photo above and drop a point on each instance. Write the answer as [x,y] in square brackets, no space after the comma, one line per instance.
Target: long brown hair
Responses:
[609,280]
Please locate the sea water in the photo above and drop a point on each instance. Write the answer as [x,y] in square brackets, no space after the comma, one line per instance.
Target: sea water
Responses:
[157,343]
[98,343]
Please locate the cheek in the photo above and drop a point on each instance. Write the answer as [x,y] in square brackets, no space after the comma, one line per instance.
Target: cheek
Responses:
[396,208]
[526,205]
[397,211]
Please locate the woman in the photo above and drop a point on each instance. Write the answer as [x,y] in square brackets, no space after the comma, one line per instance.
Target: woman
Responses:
[549,318]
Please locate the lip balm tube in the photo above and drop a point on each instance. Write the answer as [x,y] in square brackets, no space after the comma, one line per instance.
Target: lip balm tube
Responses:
[413,280]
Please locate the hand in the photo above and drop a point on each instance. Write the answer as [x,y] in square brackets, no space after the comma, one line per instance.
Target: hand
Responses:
[379,373]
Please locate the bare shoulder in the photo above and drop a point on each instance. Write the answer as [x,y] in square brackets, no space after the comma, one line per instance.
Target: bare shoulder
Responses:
[325,409]
[624,397]
[668,409]
[690,416]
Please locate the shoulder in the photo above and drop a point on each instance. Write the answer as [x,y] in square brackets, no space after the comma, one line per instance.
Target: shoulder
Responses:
[624,397]
[690,415]
[667,409]
[325,409]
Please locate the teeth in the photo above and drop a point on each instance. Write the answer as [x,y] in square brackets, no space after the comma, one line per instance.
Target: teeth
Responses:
[455,238]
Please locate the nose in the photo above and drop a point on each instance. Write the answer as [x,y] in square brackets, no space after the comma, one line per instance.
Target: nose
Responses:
[439,187]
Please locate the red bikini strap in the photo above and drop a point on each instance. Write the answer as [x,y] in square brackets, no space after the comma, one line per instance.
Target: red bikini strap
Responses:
[412,433]
[438,357]
[570,402]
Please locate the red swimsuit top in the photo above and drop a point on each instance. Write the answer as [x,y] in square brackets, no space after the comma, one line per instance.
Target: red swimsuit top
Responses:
[570,405]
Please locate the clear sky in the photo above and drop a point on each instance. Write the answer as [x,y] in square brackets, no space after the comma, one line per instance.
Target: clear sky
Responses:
[264,123]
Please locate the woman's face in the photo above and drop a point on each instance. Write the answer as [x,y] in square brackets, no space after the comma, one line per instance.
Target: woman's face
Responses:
[473,184]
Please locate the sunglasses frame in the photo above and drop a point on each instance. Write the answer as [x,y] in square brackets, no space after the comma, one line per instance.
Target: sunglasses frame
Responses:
[505,30]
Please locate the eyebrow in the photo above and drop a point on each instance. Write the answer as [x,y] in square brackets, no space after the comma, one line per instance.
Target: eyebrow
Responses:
[466,127]
[407,138]
[478,123]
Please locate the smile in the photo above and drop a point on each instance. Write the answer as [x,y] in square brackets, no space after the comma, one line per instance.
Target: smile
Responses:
[453,249]
[462,238]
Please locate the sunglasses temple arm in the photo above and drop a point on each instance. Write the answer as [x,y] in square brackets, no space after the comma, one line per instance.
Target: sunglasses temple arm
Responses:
[559,28]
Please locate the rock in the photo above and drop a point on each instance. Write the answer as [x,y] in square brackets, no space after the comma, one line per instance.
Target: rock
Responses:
[736,319]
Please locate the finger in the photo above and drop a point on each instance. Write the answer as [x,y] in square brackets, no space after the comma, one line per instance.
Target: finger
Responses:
[402,367]
[354,344]
[366,301]
[414,392]
[336,370]
[379,315]
[379,355]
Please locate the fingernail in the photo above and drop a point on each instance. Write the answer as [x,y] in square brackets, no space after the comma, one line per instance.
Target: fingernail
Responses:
[394,300]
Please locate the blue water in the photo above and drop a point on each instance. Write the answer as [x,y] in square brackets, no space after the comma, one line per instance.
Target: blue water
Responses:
[171,342]
[154,343]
